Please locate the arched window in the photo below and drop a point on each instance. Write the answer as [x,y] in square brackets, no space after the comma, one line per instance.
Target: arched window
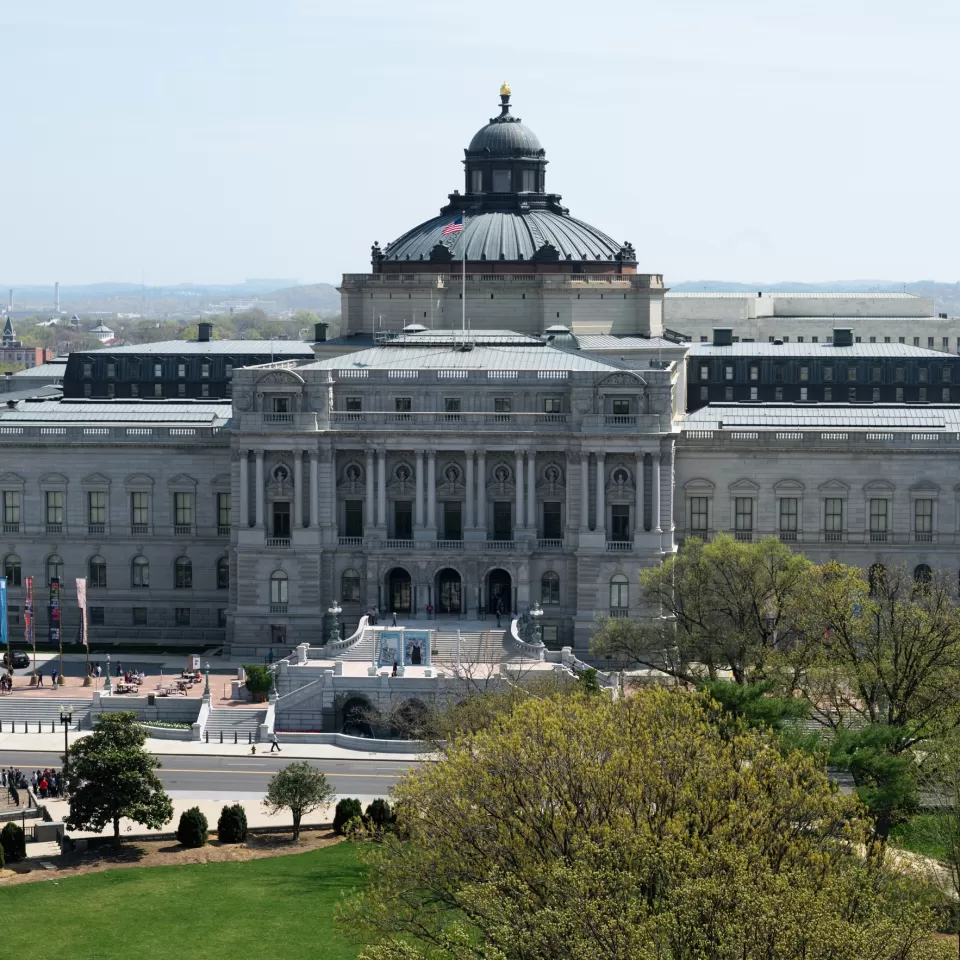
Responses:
[876,576]
[97,572]
[140,572]
[182,573]
[922,575]
[54,568]
[11,569]
[619,595]
[278,587]
[223,574]
[350,587]
[550,587]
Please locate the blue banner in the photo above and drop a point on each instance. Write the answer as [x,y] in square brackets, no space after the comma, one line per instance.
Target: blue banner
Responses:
[391,648]
[416,648]
[3,611]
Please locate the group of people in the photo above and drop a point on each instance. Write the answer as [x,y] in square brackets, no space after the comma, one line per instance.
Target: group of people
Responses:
[47,783]
[6,682]
[13,777]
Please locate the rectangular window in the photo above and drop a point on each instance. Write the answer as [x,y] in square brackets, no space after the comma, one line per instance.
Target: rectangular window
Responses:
[886,339]
[703,339]
[946,375]
[96,507]
[551,405]
[916,341]
[281,519]
[922,394]
[620,522]
[901,339]
[754,372]
[753,393]
[452,523]
[873,339]
[451,408]
[804,374]
[502,520]
[403,406]
[879,508]
[705,393]
[281,404]
[828,393]
[204,370]
[529,181]
[552,527]
[799,339]
[353,404]
[930,342]
[403,519]
[788,516]
[876,394]
[699,514]
[851,394]
[353,518]
[88,370]
[181,616]
[704,371]
[620,408]
[88,389]
[181,370]
[814,339]
[923,374]
[183,509]
[778,393]
[111,370]
[851,371]
[501,181]
[97,618]
[181,389]
[899,395]
[11,507]
[833,518]
[134,390]
[743,515]
[139,616]
[54,506]
[221,617]
[728,372]
[157,371]
[898,374]
[876,373]
[476,181]
[828,373]
[945,395]
[223,510]
[923,519]
[778,375]
[228,371]
[158,389]
[502,404]
[728,393]
[204,389]
[139,509]
[803,393]
[945,343]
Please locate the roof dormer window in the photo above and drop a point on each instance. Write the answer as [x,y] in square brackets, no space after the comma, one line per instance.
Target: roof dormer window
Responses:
[476,181]
[529,181]
[501,180]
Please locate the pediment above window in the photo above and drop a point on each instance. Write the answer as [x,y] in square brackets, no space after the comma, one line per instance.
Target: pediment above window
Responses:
[744,486]
[698,487]
[835,488]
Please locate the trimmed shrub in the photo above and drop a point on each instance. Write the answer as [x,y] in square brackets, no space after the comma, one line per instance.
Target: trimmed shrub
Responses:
[232,825]
[192,830]
[347,809]
[13,843]
[259,681]
[378,813]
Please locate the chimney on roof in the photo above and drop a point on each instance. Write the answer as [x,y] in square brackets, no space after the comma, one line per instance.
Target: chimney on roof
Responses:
[319,332]
[842,337]
[722,336]
[203,332]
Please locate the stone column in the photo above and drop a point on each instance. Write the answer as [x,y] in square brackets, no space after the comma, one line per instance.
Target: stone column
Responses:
[481,488]
[655,494]
[314,458]
[370,518]
[418,480]
[244,491]
[468,520]
[601,494]
[382,488]
[638,509]
[531,490]
[584,492]
[260,492]
[568,489]
[432,490]
[518,479]
[297,489]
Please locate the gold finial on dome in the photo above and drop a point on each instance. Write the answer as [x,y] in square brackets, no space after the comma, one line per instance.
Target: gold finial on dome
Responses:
[504,89]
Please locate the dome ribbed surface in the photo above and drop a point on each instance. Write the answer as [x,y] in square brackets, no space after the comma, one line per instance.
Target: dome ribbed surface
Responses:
[505,139]
[514,235]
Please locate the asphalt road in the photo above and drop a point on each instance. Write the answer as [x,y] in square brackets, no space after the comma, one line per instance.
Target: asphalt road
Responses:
[218,775]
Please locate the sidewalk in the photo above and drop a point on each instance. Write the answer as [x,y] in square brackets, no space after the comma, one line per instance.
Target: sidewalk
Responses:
[53,742]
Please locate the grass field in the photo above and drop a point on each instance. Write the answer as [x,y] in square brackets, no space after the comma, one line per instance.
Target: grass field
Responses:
[278,907]
[923,834]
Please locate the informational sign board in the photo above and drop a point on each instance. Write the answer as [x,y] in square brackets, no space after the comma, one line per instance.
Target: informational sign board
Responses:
[54,633]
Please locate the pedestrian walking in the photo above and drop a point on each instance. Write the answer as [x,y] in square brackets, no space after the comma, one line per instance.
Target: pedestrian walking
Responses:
[394,618]
[274,743]
[39,678]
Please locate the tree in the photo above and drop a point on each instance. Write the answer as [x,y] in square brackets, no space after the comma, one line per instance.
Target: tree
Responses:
[232,825]
[111,776]
[644,827]
[347,809]
[717,605]
[299,788]
[193,828]
[259,681]
[13,844]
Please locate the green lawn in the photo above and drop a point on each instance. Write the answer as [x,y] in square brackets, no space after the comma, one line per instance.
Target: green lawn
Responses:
[278,907]
[923,834]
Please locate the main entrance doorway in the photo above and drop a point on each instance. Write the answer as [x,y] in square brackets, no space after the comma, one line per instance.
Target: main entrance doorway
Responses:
[398,592]
[449,591]
[500,590]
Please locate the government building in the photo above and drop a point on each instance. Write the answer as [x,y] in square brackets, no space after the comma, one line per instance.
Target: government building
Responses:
[508,423]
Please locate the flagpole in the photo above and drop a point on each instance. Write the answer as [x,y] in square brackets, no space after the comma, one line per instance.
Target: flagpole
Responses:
[463,276]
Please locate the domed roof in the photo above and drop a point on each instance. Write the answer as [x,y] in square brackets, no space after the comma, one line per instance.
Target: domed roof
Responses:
[507,235]
[505,137]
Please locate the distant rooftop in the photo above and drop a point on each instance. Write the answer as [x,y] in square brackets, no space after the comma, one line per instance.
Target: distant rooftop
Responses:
[52,368]
[288,348]
[65,412]
[824,350]
[806,294]
[774,416]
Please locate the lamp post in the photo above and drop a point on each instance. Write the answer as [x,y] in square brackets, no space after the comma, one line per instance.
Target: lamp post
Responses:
[206,687]
[536,613]
[106,683]
[66,718]
[335,612]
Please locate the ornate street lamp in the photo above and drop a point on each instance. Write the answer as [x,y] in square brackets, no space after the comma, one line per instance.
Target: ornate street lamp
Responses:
[536,613]
[106,683]
[335,612]
[206,686]
[66,718]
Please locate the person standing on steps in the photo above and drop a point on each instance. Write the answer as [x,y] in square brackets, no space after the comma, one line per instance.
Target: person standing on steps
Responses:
[274,743]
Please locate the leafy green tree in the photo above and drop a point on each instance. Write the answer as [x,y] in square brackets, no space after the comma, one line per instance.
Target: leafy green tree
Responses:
[581,827]
[298,788]
[232,825]
[111,776]
[259,681]
[193,829]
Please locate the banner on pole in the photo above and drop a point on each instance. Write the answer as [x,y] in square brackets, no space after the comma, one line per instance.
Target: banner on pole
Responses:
[54,633]
[28,610]
[82,604]
[3,611]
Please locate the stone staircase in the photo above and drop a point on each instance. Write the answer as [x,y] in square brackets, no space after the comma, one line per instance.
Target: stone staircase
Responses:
[364,649]
[230,721]
[14,711]
[475,646]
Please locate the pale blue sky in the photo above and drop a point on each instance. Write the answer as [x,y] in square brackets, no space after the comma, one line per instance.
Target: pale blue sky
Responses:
[200,140]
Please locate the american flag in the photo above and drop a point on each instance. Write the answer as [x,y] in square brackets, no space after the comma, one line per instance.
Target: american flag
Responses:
[455,227]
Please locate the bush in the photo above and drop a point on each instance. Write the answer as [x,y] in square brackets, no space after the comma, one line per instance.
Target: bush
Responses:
[232,825]
[378,813]
[259,680]
[192,831]
[347,809]
[13,844]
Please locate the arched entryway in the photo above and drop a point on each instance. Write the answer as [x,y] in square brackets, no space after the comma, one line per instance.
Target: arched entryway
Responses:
[449,591]
[499,590]
[358,718]
[399,592]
